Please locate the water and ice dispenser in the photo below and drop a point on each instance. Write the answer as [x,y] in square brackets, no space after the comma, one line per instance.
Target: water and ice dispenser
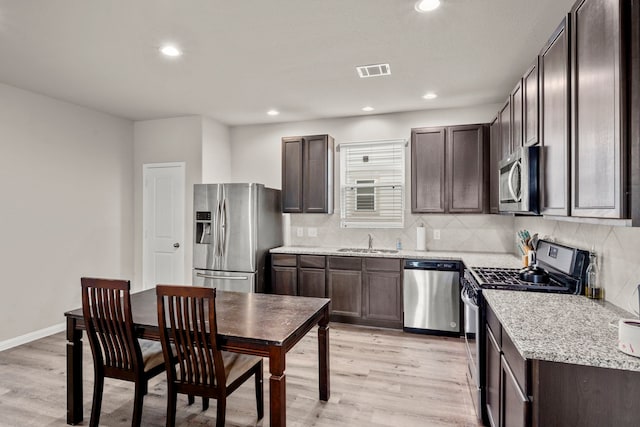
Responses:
[203,228]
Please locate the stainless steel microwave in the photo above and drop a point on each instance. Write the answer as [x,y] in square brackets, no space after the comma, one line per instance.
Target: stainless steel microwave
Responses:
[519,181]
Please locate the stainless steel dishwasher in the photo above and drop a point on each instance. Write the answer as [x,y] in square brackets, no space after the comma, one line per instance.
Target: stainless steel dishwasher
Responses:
[432,296]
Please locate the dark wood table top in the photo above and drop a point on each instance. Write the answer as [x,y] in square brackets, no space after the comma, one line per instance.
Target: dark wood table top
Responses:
[265,318]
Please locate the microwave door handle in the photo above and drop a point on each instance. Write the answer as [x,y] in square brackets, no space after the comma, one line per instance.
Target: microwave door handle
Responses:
[510,181]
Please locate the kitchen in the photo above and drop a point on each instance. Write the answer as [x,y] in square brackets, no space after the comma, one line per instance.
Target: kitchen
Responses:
[56,141]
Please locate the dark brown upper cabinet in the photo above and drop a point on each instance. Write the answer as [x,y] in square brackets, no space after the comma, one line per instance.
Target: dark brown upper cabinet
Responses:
[530,96]
[466,174]
[495,153]
[428,160]
[554,123]
[516,116]
[448,169]
[634,114]
[307,174]
[505,128]
[598,113]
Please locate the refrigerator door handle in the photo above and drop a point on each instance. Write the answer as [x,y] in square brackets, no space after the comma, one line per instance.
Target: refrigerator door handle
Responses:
[207,276]
[223,228]
[217,251]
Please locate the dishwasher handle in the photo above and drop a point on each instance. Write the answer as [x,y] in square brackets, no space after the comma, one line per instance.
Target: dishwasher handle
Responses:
[421,264]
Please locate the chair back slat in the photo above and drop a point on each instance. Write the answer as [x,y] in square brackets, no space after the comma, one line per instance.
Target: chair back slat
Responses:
[107,313]
[188,332]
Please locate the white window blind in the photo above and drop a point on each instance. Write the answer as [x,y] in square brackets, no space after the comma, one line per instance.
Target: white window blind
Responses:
[372,184]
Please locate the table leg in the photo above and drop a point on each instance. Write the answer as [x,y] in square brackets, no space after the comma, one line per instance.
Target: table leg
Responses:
[277,387]
[323,355]
[74,373]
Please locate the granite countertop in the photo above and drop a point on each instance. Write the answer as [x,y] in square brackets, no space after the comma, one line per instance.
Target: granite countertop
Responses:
[470,259]
[562,328]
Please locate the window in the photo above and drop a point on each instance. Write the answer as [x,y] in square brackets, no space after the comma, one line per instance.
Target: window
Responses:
[372,184]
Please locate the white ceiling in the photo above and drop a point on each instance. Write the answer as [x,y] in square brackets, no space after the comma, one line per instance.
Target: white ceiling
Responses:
[242,58]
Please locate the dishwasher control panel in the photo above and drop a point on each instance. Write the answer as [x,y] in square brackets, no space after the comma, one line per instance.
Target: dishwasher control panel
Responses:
[422,264]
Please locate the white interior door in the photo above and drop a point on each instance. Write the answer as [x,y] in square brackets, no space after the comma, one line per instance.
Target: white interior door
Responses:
[163,224]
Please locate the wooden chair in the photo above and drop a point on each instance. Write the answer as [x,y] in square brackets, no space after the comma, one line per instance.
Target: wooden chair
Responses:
[117,353]
[188,332]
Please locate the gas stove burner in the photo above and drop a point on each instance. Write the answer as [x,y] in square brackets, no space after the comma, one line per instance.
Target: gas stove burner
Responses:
[516,279]
[534,274]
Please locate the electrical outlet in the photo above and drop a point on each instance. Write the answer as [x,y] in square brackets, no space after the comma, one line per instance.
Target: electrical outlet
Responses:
[300,231]
[312,232]
[436,234]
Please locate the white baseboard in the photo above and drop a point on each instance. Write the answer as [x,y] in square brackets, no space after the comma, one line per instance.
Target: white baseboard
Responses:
[32,336]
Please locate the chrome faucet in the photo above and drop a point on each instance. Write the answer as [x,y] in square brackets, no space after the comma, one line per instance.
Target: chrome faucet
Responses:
[370,241]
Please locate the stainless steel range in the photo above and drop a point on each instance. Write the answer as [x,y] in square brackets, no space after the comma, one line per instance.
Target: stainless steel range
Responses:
[559,269]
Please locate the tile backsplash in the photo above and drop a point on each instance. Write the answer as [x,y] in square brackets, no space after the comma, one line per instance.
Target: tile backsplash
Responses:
[617,247]
[470,233]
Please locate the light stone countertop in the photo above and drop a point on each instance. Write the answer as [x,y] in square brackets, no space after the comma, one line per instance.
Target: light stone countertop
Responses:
[470,259]
[562,328]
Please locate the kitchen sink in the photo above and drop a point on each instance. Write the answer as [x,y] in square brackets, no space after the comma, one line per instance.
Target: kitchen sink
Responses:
[368,251]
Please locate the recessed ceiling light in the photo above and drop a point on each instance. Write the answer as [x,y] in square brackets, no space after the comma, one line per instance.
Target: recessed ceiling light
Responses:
[427,5]
[429,95]
[367,108]
[170,50]
[273,112]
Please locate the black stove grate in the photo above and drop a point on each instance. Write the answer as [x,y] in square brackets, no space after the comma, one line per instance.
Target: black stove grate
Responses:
[507,278]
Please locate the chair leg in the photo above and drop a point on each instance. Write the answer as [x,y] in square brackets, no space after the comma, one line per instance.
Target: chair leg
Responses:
[172,397]
[137,404]
[98,386]
[205,403]
[260,390]
[222,411]
[190,399]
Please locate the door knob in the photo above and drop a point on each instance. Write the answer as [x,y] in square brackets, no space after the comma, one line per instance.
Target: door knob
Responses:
[176,245]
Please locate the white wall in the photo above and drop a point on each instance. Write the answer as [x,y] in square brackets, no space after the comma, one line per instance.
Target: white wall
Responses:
[176,139]
[67,203]
[216,152]
[256,156]
[256,152]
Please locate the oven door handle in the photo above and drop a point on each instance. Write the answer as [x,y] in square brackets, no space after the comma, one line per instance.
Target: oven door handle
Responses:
[468,301]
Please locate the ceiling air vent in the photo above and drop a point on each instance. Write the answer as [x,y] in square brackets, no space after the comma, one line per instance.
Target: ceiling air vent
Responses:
[375,70]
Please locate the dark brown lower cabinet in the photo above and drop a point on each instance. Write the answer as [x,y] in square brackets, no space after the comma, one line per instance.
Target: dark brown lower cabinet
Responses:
[311,282]
[344,281]
[586,396]
[311,276]
[507,403]
[302,275]
[365,291]
[529,392]
[515,404]
[382,292]
[493,379]
[284,274]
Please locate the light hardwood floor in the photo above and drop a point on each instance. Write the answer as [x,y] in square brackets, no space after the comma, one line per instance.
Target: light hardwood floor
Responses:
[379,378]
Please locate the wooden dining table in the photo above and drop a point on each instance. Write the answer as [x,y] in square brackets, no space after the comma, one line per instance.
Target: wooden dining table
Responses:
[259,324]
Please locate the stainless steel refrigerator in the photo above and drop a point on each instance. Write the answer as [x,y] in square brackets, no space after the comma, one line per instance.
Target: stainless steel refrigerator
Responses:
[235,225]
